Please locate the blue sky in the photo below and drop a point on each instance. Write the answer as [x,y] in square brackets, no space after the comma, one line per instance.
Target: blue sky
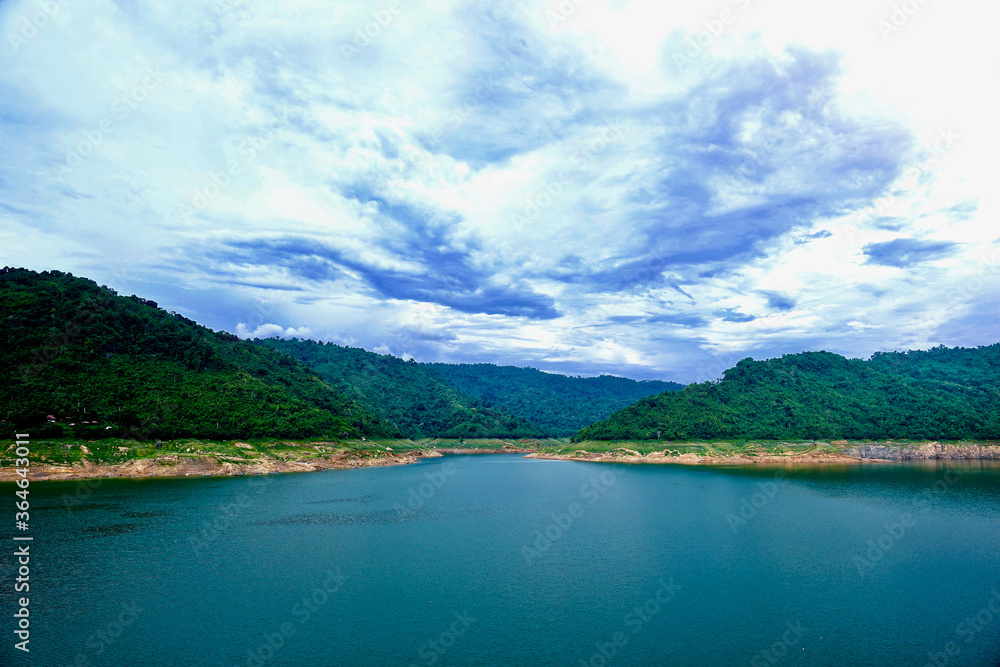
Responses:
[638,188]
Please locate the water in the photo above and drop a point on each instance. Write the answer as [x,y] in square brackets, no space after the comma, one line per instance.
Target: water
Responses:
[439,563]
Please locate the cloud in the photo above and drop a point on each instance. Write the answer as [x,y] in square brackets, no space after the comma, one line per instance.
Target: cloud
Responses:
[472,183]
[742,160]
[443,275]
[428,334]
[732,315]
[821,234]
[779,301]
[271,330]
[905,252]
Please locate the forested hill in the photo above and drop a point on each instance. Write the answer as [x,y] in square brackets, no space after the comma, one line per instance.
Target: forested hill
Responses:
[121,366]
[560,404]
[938,394]
[409,395]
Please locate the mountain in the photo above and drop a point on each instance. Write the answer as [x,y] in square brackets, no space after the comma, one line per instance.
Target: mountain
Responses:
[411,396]
[122,366]
[938,394]
[560,404]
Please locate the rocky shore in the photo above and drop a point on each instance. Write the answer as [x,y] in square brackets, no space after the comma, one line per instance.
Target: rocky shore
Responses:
[174,465]
[930,451]
[504,449]
[210,464]
[847,455]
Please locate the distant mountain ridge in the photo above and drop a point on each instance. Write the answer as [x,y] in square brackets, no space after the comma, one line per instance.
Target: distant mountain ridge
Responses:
[937,394]
[410,396]
[560,404]
[74,352]
[121,366]
[77,353]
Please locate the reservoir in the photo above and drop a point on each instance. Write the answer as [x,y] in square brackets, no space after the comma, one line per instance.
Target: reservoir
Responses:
[497,560]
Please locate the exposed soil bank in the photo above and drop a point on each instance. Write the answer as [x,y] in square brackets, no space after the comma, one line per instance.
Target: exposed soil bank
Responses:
[873,453]
[506,449]
[173,465]
[929,451]
[61,460]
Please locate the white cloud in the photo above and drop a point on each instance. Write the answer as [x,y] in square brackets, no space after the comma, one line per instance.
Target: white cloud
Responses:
[480,171]
[270,330]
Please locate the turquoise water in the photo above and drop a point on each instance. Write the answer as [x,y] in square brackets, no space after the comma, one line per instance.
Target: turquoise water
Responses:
[499,560]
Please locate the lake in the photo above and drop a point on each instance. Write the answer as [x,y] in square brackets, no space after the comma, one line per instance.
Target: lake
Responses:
[501,560]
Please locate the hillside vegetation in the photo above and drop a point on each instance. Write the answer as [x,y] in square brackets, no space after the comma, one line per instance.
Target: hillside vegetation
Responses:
[938,394]
[411,396]
[559,404]
[78,352]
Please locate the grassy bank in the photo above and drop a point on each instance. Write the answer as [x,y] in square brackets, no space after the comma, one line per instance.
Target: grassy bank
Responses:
[113,457]
[807,452]
[114,451]
[701,448]
[71,453]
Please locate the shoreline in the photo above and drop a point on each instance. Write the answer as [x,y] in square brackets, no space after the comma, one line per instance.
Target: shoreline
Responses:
[312,458]
[172,466]
[689,459]
[486,450]
[116,458]
[875,453]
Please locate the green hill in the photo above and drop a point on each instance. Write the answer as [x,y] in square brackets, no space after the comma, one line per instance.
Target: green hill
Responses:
[411,396]
[938,394]
[79,352]
[560,404]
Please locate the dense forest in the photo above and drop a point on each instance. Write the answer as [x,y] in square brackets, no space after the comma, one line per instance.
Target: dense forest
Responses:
[121,366]
[560,404]
[79,360]
[938,394]
[411,396]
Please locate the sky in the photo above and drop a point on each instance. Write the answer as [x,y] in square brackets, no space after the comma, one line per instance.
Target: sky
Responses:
[647,189]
